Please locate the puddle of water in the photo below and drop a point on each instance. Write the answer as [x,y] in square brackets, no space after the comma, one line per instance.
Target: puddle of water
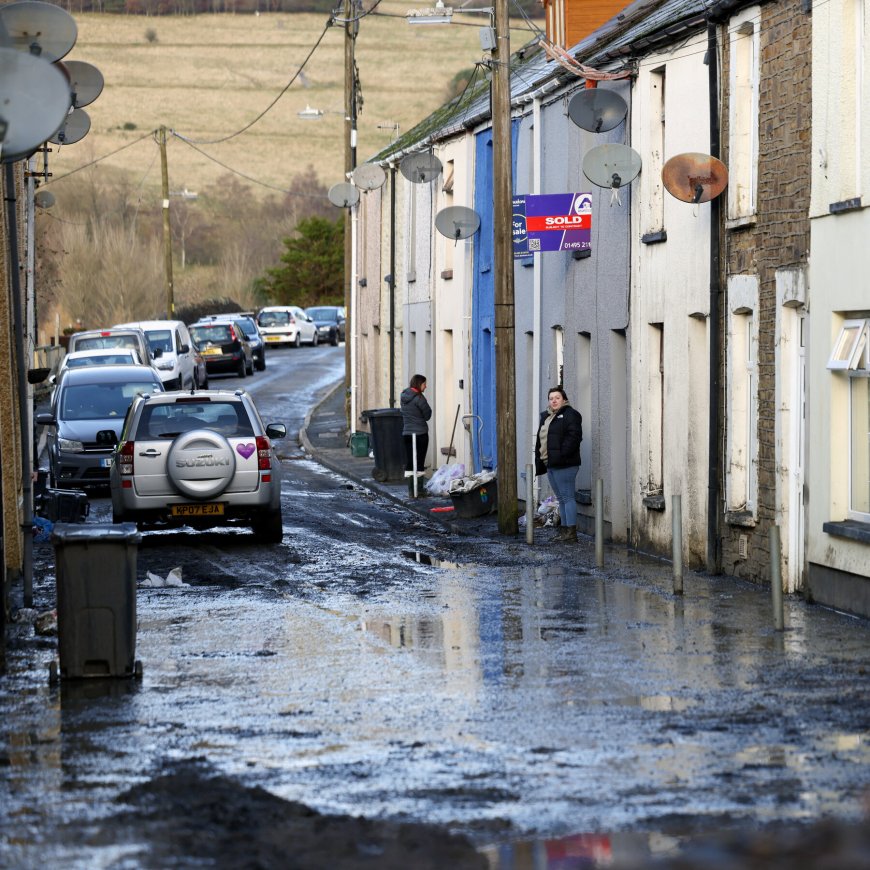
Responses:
[427,559]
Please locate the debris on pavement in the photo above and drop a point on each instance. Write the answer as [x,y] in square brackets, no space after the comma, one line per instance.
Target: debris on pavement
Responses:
[154,581]
[439,483]
[469,484]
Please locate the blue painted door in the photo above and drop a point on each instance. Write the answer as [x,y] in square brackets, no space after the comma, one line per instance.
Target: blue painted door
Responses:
[483,300]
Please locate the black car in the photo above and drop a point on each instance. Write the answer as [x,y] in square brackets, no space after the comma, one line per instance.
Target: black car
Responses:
[224,347]
[252,333]
[330,322]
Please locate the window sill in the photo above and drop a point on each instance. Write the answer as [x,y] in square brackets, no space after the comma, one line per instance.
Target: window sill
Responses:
[845,205]
[851,529]
[654,502]
[739,223]
[744,519]
[654,238]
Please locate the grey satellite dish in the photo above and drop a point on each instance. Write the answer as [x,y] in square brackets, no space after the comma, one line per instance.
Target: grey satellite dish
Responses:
[611,166]
[74,128]
[694,177]
[369,176]
[40,29]
[43,199]
[597,110]
[343,194]
[85,81]
[421,167]
[34,105]
[457,222]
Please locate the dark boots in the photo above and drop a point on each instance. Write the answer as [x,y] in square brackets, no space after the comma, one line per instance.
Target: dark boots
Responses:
[566,535]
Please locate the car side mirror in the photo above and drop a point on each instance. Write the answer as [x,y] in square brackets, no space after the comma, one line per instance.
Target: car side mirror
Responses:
[276,430]
[157,352]
[46,419]
[185,348]
[107,437]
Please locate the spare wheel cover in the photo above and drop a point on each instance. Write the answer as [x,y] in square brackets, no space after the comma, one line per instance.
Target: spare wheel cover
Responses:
[201,463]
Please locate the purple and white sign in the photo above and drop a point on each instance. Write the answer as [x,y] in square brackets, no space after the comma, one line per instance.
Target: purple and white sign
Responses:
[552,222]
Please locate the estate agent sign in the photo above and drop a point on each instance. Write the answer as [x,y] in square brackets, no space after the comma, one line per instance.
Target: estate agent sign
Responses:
[552,222]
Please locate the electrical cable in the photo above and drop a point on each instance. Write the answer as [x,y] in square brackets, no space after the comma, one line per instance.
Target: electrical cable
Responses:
[99,159]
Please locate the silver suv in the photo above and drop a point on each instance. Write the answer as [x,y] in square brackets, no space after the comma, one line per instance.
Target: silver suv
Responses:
[200,459]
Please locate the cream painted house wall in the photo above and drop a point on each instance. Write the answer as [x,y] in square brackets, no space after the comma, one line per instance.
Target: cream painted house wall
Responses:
[839,565]
[670,307]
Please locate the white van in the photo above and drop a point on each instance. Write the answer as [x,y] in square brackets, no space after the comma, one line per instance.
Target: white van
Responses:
[172,350]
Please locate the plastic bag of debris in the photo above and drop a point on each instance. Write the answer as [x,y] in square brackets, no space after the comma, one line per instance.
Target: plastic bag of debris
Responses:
[547,513]
[439,483]
[467,484]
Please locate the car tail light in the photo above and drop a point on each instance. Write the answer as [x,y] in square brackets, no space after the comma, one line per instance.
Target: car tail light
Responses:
[264,453]
[232,334]
[292,319]
[125,461]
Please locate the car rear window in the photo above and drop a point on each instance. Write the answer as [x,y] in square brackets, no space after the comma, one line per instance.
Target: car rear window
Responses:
[109,359]
[100,342]
[160,339]
[274,318]
[169,420]
[214,333]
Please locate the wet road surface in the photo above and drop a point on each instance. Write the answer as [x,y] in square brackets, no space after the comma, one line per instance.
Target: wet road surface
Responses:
[376,664]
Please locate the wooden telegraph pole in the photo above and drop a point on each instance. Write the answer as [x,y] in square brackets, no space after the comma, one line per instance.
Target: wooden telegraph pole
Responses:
[505,356]
[167,228]
[350,31]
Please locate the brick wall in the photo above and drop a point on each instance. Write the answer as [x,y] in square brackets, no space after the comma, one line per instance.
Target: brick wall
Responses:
[779,237]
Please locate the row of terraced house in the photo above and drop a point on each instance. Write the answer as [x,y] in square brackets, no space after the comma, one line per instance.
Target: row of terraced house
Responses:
[717,351]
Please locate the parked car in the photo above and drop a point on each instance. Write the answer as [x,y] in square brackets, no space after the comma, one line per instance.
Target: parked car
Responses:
[116,337]
[224,347]
[255,338]
[86,401]
[170,346]
[121,356]
[287,324]
[201,460]
[200,370]
[330,321]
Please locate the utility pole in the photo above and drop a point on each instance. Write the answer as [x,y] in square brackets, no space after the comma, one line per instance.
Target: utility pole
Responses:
[350,31]
[505,356]
[167,228]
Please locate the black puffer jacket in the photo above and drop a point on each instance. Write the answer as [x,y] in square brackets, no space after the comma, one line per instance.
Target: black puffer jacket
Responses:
[563,438]
[415,412]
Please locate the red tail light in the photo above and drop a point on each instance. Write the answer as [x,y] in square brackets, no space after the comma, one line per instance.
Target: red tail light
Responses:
[232,334]
[292,319]
[264,453]
[125,462]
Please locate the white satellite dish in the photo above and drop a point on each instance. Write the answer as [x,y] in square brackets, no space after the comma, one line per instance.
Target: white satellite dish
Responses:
[457,222]
[612,166]
[40,29]
[421,167]
[369,176]
[43,199]
[343,194]
[35,103]
[74,128]
[85,81]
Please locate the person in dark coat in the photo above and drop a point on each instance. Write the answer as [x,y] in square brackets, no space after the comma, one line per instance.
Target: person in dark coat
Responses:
[415,416]
[557,452]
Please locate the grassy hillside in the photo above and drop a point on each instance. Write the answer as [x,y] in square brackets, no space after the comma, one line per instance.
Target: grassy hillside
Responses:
[208,76]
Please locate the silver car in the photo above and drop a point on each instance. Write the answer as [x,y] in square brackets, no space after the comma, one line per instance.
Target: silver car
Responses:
[200,459]
[86,402]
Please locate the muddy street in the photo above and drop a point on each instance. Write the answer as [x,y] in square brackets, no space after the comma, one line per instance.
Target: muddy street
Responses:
[383,690]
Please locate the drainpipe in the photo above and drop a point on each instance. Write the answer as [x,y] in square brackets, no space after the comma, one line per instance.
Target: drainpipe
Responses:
[538,285]
[392,285]
[713,547]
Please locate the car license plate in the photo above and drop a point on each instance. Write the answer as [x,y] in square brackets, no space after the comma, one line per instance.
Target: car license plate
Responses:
[273,338]
[197,510]
[106,463]
[211,351]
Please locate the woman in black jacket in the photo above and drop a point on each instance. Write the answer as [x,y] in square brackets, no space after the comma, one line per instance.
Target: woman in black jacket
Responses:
[415,421]
[557,451]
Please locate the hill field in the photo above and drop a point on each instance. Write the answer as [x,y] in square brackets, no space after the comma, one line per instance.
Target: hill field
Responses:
[209,76]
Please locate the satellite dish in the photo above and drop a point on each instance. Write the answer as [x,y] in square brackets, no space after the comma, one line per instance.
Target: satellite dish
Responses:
[35,103]
[369,176]
[421,167]
[43,199]
[457,222]
[40,29]
[343,194]
[611,166]
[597,110]
[694,177]
[74,128]
[85,81]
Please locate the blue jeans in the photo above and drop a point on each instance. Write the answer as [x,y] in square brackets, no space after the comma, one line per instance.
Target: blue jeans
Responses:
[563,480]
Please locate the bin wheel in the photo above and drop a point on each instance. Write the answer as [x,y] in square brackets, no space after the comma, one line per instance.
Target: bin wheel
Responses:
[379,474]
[137,669]
[53,675]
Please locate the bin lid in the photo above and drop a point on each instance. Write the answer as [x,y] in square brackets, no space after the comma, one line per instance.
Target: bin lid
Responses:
[85,533]
[383,412]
